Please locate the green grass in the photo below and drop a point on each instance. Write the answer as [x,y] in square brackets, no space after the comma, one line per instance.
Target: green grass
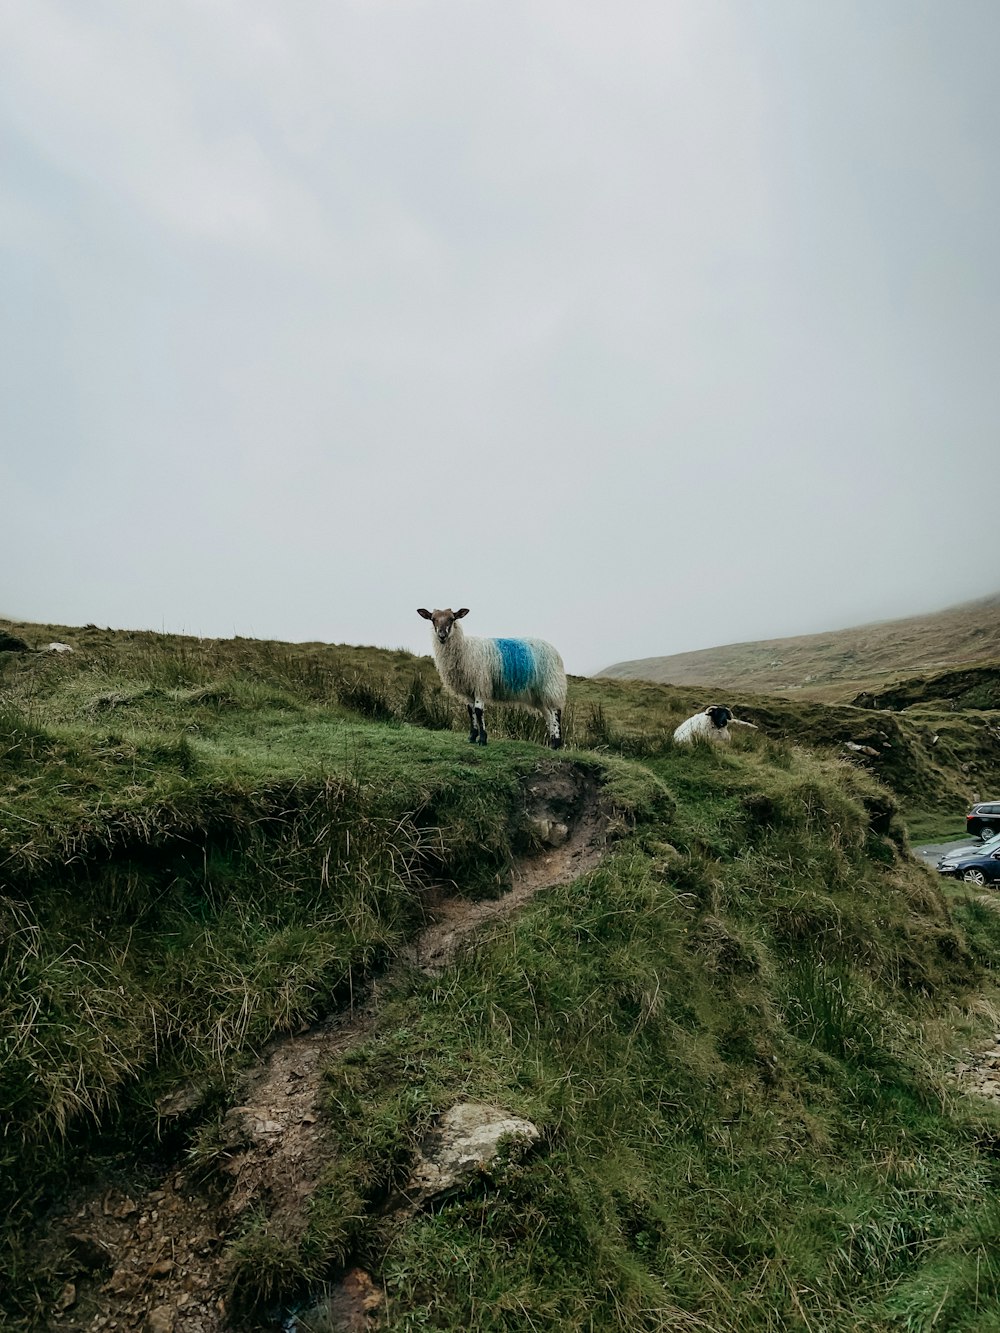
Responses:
[735,1133]
[933,826]
[733,1034]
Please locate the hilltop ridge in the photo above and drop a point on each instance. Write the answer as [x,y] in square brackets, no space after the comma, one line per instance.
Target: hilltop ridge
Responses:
[835,664]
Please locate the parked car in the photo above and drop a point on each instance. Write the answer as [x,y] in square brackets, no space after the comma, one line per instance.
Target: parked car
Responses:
[976,865]
[952,858]
[983,821]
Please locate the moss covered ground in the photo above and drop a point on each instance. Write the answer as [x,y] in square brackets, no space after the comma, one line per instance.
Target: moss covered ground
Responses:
[734,1035]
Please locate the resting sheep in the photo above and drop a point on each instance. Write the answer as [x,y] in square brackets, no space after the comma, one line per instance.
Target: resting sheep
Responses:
[711,725]
[528,672]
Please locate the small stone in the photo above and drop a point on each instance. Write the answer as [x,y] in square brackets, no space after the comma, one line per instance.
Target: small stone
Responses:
[549,832]
[160,1319]
[350,1306]
[121,1282]
[67,1297]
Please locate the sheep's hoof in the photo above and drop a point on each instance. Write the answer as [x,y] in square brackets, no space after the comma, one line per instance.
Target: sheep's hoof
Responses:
[482,738]
[473,737]
[555,742]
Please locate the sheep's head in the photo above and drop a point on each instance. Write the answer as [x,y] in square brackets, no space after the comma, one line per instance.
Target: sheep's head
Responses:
[720,716]
[443,621]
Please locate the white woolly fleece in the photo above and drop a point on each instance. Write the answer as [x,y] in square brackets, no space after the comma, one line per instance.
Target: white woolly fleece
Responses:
[529,672]
[701,728]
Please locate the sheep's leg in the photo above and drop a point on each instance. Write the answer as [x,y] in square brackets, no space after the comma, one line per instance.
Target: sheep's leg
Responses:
[481,722]
[553,721]
[473,725]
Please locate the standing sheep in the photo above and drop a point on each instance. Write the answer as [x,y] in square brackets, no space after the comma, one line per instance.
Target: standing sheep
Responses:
[501,671]
[711,725]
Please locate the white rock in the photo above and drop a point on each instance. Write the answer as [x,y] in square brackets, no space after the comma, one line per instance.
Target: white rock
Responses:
[58,648]
[549,831]
[466,1140]
[264,1127]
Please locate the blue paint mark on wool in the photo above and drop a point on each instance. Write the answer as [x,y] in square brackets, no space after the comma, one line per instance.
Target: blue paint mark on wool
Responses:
[517,664]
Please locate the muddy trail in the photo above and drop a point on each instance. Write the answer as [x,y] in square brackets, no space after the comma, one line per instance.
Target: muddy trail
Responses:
[151,1255]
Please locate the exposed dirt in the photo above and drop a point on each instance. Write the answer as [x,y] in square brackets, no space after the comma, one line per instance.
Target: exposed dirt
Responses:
[153,1258]
[979,1072]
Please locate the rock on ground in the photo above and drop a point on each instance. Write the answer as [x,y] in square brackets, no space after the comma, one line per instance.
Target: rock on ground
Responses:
[467,1138]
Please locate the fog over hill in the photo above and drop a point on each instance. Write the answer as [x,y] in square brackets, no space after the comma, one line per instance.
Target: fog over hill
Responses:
[837,663]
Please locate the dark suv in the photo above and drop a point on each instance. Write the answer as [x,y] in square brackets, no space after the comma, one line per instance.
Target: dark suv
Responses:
[983,821]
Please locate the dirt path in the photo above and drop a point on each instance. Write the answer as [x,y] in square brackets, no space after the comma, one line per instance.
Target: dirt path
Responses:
[153,1259]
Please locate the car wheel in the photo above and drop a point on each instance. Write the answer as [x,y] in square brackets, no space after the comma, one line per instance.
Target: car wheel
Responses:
[987,832]
[972,876]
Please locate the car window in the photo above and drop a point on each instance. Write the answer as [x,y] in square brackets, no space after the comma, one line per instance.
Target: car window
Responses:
[993,844]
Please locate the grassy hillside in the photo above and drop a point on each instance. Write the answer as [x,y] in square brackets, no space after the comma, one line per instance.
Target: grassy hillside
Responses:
[734,1034]
[839,664]
[935,759]
[976,687]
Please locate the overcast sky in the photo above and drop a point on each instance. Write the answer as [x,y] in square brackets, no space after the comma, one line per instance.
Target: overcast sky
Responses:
[642,326]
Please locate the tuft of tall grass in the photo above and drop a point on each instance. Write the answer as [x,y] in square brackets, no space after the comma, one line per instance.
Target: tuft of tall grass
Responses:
[366,695]
[425,705]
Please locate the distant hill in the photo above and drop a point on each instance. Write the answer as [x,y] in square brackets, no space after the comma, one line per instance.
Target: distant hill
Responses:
[837,664]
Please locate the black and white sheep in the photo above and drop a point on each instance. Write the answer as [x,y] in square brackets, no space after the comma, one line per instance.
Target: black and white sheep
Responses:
[710,725]
[528,672]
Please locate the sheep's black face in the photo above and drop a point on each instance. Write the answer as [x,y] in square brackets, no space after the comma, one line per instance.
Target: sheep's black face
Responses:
[719,715]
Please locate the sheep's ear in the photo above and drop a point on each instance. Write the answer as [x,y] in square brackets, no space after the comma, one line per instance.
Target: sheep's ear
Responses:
[463,612]
[422,611]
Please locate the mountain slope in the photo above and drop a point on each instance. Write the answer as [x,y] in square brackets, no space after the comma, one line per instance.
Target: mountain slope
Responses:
[839,663]
[733,1033]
